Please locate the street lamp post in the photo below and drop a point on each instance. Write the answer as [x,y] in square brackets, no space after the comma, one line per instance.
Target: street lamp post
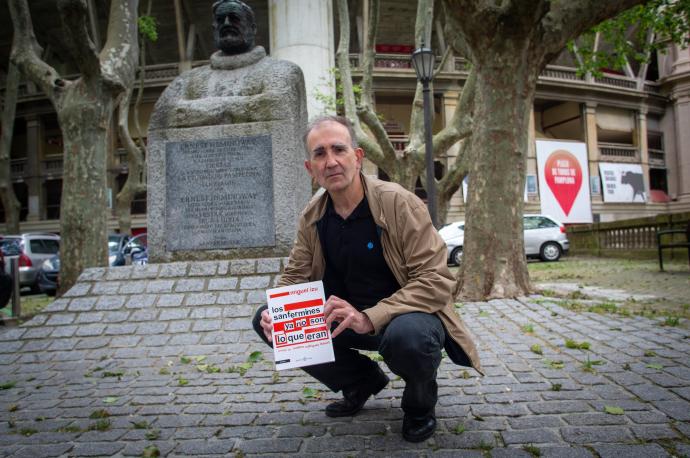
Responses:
[423,62]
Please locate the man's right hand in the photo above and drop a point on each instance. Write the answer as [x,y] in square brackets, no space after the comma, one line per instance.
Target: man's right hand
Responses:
[267,325]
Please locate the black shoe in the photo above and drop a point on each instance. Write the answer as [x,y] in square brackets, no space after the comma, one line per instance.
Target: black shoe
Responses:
[355,398]
[418,429]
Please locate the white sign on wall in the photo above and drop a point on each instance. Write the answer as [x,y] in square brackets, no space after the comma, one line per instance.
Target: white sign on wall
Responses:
[564,180]
[622,182]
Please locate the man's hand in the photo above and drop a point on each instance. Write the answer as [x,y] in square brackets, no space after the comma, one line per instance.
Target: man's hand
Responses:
[347,316]
[267,325]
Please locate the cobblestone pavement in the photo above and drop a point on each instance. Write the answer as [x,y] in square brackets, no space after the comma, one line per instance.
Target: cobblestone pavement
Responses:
[163,356]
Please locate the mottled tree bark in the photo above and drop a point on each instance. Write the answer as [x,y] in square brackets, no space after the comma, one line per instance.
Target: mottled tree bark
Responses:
[84,109]
[9,199]
[509,43]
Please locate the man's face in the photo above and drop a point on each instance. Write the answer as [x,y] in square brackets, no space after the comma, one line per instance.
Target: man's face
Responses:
[233,30]
[333,162]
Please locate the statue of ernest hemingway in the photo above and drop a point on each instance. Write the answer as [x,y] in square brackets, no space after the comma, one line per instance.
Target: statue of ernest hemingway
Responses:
[241,84]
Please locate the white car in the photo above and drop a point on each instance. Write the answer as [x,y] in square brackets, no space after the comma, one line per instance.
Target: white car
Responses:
[544,238]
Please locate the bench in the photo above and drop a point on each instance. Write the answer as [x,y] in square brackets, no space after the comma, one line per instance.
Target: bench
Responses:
[673,243]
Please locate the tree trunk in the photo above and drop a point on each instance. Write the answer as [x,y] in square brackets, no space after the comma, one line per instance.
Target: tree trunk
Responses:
[9,199]
[494,259]
[135,162]
[84,115]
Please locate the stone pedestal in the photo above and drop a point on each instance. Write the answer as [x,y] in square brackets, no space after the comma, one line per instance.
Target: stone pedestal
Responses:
[223,192]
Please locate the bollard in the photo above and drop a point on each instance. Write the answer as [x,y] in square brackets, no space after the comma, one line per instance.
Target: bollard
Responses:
[16,292]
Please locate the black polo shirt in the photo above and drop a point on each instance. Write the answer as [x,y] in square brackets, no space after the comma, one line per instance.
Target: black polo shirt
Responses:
[356,270]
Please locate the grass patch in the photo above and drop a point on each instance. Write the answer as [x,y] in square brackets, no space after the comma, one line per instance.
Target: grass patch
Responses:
[574,345]
[27,432]
[528,328]
[31,305]
[588,366]
[556,387]
[536,348]
[671,321]
[100,425]
[7,385]
[532,450]
[100,413]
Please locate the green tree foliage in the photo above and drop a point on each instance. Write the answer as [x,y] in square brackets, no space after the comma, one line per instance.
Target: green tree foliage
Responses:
[633,35]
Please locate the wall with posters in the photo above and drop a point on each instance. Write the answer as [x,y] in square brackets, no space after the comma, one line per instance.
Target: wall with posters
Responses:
[564,180]
[622,182]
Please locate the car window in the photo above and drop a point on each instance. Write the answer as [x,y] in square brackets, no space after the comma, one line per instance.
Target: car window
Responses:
[546,222]
[530,222]
[44,246]
[461,227]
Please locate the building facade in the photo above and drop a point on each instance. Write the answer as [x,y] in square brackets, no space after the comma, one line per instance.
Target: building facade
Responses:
[639,117]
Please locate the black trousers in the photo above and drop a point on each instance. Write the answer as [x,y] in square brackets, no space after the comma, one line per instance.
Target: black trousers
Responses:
[410,345]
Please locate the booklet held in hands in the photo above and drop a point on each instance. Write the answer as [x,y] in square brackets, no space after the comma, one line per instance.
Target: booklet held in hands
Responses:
[300,335]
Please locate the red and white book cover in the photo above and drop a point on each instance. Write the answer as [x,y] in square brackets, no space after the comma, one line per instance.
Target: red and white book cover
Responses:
[300,335]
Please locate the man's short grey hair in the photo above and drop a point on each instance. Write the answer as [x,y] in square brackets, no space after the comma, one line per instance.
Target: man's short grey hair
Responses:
[316,122]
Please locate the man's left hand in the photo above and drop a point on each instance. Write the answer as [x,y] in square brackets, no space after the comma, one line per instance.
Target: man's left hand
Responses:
[347,316]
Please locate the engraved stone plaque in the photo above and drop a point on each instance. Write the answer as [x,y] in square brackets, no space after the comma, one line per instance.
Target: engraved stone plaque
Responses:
[219,193]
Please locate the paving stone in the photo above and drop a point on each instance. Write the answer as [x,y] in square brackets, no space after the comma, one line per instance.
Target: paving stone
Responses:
[79,289]
[203,269]
[110,303]
[589,435]
[223,284]
[242,267]
[136,448]
[173,314]
[196,299]
[189,284]
[268,265]
[594,419]
[325,444]
[509,453]
[231,297]
[530,436]
[255,282]
[160,286]
[89,317]
[678,410]
[654,432]
[631,451]
[96,449]
[145,271]
[565,452]
[648,392]
[60,319]
[207,325]
[468,439]
[170,300]
[32,451]
[205,447]
[105,287]
[551,407]
[82,304]
[90,330]
[173,269]
[132,287]
[141,301]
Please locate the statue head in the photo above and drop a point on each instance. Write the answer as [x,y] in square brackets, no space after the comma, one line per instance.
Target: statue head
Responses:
[234,27]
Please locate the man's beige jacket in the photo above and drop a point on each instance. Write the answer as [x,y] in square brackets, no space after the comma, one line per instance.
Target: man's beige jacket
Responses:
[413,250]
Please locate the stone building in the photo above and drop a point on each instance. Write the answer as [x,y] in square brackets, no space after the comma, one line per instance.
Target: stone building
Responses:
[640,116]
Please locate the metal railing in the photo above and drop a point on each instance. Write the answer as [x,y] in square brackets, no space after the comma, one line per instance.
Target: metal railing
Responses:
[657,156]
[619,151]
[634,237]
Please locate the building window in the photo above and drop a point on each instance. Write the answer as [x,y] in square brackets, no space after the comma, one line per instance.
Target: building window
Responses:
[53,197]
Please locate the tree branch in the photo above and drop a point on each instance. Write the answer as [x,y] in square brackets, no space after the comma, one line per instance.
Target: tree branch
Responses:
[369,55]
[74,15]
[567,20]
[26,52]
[342,58]
[460,124]
[386,149]
[120,54]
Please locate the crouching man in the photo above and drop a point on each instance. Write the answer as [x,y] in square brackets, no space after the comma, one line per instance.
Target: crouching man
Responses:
[387,284]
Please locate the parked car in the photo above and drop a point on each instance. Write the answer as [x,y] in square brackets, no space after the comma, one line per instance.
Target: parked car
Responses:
[48,276]
[545,238]
[136,250]
[32,249]
[116,244]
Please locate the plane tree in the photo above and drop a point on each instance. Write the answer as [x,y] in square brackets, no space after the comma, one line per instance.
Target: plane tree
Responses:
[84,108]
